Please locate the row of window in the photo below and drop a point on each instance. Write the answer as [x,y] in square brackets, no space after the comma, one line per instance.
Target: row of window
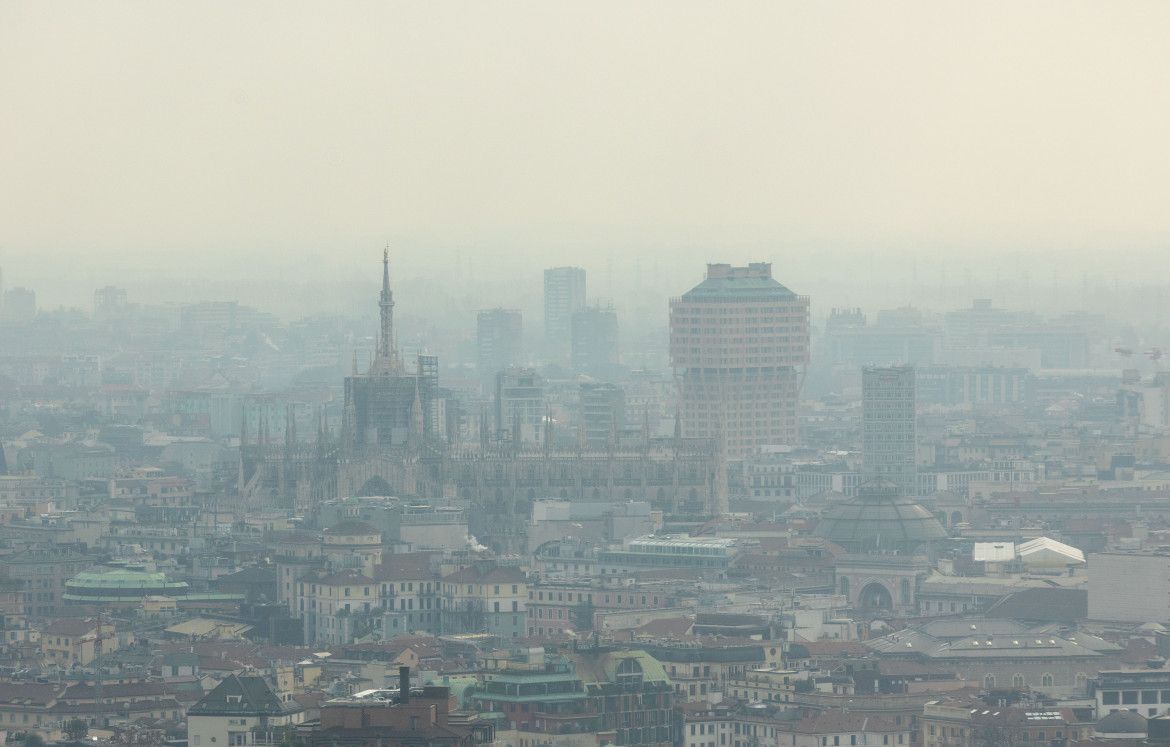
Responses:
[1133,697]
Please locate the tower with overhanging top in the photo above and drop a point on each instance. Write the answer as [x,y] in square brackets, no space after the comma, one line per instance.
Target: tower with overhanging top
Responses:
[739,346]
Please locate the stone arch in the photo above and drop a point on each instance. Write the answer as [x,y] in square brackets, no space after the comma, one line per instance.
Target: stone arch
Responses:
[875,596]
[564,494]
[596,494]
[376,485]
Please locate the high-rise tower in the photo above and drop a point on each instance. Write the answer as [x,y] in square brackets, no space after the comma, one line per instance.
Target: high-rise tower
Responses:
[888,426]
[739,345]
[498,335]
[595,348]
[564,294]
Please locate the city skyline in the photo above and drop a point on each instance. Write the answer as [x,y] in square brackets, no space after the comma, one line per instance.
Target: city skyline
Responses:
[885,144]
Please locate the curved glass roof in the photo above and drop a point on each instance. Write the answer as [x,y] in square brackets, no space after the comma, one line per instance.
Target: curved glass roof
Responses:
[880,519]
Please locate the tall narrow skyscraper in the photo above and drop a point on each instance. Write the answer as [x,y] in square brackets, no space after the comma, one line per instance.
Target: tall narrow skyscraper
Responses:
[595,349]
[564,294]
[889,429]
[498,336]
[739,345]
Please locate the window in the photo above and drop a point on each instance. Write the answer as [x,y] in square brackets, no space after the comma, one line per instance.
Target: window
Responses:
[1110,697]
[1149,696]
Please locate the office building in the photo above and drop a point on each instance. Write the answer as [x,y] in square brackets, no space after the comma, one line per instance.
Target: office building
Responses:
[564,295]
[520,403]
[888,431]
[605,695]
[499,338]
[595,342]
[1111,587]
[109,302]
[739,344]
[603,412]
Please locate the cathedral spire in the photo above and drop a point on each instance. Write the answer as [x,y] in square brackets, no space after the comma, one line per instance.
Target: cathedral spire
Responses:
[386,359]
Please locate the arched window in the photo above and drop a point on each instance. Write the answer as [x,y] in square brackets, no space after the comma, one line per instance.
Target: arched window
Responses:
[1046,680]
[989,682]
[1081,680]
[1017,680]
[629,672]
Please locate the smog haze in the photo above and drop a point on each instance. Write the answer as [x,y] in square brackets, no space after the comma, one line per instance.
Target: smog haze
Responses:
[878,154]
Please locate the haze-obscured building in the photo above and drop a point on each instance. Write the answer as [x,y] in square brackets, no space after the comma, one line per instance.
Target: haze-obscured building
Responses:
[888,426]
[595,342]
[564,295]
[739,343]
[499,342]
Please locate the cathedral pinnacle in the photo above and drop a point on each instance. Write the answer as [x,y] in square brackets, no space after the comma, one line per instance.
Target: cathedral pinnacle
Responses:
[386,359]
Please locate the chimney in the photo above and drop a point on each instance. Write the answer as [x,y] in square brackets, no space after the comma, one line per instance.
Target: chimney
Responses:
[404,685]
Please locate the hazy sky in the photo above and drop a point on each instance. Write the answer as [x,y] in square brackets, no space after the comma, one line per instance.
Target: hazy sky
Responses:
[839,140]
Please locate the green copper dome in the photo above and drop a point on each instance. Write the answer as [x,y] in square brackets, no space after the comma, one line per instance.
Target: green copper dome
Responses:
[101,585]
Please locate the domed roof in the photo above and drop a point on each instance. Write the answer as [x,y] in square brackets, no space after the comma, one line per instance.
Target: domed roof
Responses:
[1122,722]
[879,518]
[121,578]
[100,584]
